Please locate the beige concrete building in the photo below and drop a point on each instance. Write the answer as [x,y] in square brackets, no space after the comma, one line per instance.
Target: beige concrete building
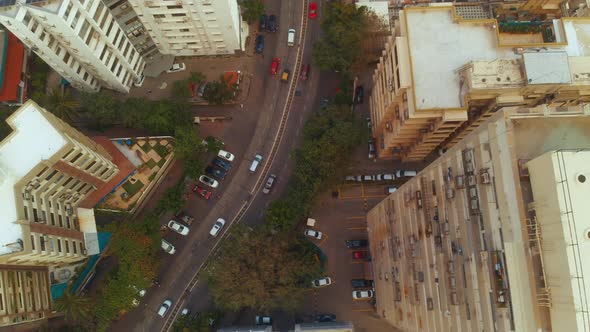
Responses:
[493,235]
[447,68]
[24,294]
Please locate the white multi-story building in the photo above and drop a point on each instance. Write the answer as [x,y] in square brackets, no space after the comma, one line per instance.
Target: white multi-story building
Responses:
[193,27]
[79,39]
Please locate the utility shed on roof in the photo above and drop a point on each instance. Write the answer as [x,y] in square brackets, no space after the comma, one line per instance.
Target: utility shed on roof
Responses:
[547,68]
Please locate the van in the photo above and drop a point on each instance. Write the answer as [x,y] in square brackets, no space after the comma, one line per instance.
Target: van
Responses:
[291,37]
[257,160]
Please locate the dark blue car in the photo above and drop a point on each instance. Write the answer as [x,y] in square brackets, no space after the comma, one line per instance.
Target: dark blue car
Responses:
[259,43]
[225,165]
[263,22]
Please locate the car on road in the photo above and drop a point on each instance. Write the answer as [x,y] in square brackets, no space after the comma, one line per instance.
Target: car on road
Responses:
[372,151]
[313,234]
[285,75]
[400,174]
[362,294]
[273,25]
[368,178]
[353,244]
[385,177]
[168,247]
[361,283]
[259,44]
[176,67]
[209,181]
[291,37]
[139,82]
[274,66]
[217,227]
[360,94]
[324,318]
[254,165]
[215,172]
[313,10]
[221,163]
[178,227]
[206,194]
[322,282]
[390,190]
[263,320]
[360,255]
[263,23]
[350,178]
[269,183]
[304,73]
[226,155]
[164,308]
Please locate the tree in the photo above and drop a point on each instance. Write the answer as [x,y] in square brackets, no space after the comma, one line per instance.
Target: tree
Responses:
[188,147]
[200,322]
[173,199]
[180,89]
[262,271]
[196,77]
[101,109]
[282,214]
[62,104]
[252,10]
[220,92]
[214,144]
[76,308]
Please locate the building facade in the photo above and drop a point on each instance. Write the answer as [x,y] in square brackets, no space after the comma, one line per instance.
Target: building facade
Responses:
[79,39]
[24,294]
[447,68]
[492,235]
[192,27]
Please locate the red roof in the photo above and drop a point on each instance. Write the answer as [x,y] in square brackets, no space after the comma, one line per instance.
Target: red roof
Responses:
[12,69]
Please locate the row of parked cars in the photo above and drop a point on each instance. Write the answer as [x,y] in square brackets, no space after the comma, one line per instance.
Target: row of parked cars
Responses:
[380,177]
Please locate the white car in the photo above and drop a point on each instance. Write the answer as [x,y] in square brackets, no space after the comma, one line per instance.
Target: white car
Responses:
[217,227]
[139,81]
[185,312]
[176,68]
[385,177]
[168,247]
[226,155]
[313,234]
[400,174]
[164,308]
[209,181]
[326,281]
[178,227]
[390,190]
[269,183]
[362,294]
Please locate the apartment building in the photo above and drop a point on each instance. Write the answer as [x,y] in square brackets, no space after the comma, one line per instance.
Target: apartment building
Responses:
[192,27]
[493,235]
[449,67]
[79,39]
[24,294]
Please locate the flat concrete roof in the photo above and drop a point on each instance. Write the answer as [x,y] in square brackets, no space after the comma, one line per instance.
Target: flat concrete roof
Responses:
[547,68]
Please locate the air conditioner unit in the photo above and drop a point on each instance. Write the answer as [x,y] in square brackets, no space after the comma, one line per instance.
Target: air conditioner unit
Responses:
[485,178]
[471,180]
[460,181]
[450,192]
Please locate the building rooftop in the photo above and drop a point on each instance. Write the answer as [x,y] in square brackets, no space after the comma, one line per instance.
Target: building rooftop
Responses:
[35,135]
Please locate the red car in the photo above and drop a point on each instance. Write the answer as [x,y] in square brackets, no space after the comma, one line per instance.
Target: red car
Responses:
[313,7]
[360,254]
[304,72]
[206,194]
[274,67]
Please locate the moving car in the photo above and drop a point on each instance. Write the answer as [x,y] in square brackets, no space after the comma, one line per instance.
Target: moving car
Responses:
[263,320]
[360,254]
[259,44]
[352,244]
[176,67]
[313,10]
[254,165]
[313,234]
[139,81]
[164,308]
[304,73]
[269,183]
[291,37]
[226,155]
[168,247]
[359,93]
[362,294]
[273,25]
[208,181]
[274,66]
[178,227]
[285,75]
[215,172]
[263,22]
[361,283]
[206,194]
[322,282]
[400,174]
[217,227]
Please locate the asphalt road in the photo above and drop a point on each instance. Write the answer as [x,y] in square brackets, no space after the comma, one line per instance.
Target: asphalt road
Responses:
[251,131]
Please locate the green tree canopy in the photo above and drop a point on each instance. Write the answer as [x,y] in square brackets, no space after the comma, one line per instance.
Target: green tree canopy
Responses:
[220,92]
[62,104]
[252,10]
[102,110]
[76,308]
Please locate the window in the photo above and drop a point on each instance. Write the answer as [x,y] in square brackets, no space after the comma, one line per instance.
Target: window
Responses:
[178,15]
[79,154]
[75,20]
[58,245]
[91,164]
[174,7]
[68,10]
[74,247]
[35,217]
[84,29]
[98,11]
[67,181]
[66,57]
[159,15]
[42,240]
[32,242]
[42,171]
[61,221]
[51,175]
[67,246]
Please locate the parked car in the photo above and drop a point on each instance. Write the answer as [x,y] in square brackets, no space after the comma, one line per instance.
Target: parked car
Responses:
[313,10]
[185,312]
[353,244]
[362,294]
[372,151]
[368,178]
[269,183]
[400,174]
[226,155]
[369,124]
[139,81]
[176,67]
[185,218]
[178,227]
[350,178]
[208,181]
[304,73]
[313,234]
[164,308]
[390,190]
[360,254]
[263,320]
[359,93]
[323,318]
[273,25]
[263,22]
[259,44]
[217,227]
[168,247]
[215,172]
[206,194]
[202,88]
[384,177]
[221,163]
[361,283]
[274,66]
[322,282]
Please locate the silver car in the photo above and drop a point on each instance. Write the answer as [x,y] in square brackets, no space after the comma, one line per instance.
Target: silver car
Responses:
[269,183]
